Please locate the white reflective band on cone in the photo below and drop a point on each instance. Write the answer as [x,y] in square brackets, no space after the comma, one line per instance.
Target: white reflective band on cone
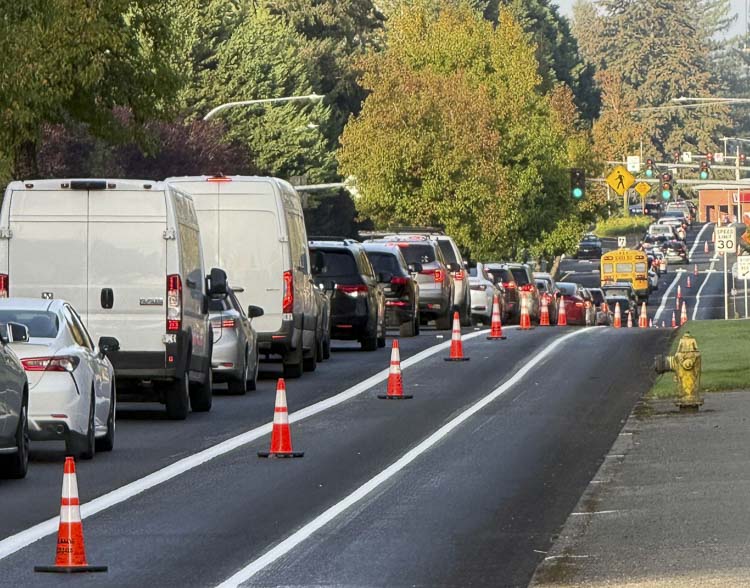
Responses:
[69,486]
[70,514]
[281,418]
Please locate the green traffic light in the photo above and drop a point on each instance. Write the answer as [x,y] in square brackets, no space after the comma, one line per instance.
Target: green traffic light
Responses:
[704,175]
[577,192]
[666,194]
[649,173]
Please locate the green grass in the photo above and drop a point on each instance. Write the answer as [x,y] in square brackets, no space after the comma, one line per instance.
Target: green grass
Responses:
[725,357]
[623,225]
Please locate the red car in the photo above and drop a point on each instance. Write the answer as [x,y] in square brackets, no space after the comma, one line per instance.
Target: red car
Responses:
[579,306]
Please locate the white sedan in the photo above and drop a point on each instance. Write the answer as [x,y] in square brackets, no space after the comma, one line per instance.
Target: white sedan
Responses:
[71,381]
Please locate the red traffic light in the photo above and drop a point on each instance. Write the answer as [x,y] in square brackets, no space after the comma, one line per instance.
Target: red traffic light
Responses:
[743,157]
[676,156]
[710,157]
[666,177]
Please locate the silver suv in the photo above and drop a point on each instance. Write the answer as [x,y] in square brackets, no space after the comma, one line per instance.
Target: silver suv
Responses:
[457,266]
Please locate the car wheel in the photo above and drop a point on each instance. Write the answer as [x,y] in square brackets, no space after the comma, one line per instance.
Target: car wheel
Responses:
[252,383]
[370,341]
[15,466]
[202,393]
[445,322]
[83,446]
[407,329]
[107,443]
[177,398]
[239,385]
[292,362]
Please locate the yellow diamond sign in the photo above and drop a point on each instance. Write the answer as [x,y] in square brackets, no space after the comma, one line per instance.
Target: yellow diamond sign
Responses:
[642,188]
[620,180]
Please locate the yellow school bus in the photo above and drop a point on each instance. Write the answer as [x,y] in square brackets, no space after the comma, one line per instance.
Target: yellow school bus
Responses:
[626,265]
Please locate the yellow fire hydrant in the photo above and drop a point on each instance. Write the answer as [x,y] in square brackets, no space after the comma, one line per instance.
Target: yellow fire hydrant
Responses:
[686,365]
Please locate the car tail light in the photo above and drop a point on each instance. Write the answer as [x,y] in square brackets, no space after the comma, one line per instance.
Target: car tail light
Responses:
[511,285]
[579,304]
[4,289]
[352,290]
[437,274]
[63,363]
[399,281]
[223,323]
[399,303]
[459,275]
[219,179]
[527,288]
[287,304]
[174,302]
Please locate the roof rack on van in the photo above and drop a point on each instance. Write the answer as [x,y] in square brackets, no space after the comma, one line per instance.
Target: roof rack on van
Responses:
[332,238]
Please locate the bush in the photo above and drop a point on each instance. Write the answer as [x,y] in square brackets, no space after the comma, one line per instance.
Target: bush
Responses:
[623,225]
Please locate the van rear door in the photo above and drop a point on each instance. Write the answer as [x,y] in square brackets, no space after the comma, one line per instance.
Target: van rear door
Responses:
[47,244]
[127,255]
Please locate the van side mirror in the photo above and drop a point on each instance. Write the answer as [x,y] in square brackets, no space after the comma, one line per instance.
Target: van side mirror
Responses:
[415,268]
[18,333]
[254,311]
[108,345]
[385,277]
[217,283]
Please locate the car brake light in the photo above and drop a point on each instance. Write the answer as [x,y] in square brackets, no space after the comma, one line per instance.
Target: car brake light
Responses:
[64,363]
[4,285]
[527,288]
[437,274]
[459,275]
[579,304]
[219,179]
[511,285]
[174,302]
[287,303]
[399,281]
[352,290]
[222,324]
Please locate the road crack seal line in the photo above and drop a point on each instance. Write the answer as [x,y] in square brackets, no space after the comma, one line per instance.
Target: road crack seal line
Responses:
[14,543]
[368,487]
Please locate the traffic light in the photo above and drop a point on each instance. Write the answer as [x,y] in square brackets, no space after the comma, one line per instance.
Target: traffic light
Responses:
[704,170]
[676,156]
[649,168]
[666,186]
[710,158]
[577,183]
[742,158]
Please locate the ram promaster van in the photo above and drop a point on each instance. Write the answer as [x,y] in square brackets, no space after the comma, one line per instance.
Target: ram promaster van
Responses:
[127,255]
[254,229]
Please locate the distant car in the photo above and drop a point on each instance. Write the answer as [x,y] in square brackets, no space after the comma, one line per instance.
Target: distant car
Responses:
[14,409]
[623,293]
[590,247]
[526,287]
[503,278]
[548,291]
[483,291]
[71,380]
[235,357]
[660,262]
[675,252]
[661,230]
[603,312]
[342,267]
[653,279]
[579,308]
[401,288]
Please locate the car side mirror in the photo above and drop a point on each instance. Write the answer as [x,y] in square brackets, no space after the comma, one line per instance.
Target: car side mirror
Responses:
[415,267]
[385,277]
[254,311]
[108,345]
[217,283]
[17,333]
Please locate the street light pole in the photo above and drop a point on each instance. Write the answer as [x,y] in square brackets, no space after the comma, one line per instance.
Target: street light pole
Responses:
[213,112]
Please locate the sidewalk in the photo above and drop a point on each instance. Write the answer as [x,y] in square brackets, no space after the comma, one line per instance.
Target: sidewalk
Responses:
[670,505]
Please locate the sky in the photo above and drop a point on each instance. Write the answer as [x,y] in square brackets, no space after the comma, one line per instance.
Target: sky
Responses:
[738,7]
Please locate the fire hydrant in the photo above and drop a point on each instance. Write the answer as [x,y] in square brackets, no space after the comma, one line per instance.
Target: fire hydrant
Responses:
[686,365]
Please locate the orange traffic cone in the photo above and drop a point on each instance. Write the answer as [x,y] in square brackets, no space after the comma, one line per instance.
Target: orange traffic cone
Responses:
[689,285]
[695,269]
[395,383]
[496,326]
[705,247]
[457,347]
[679,291]
[525,323]
[674,322]
[662,324]
[643,317]
[683,314]
[544,317]
[651,324]
[71,549]
[630,320]
[562,316]
[618,317]
[281,435]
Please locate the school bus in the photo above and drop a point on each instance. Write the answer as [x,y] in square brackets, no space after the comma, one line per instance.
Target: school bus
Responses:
[626,265]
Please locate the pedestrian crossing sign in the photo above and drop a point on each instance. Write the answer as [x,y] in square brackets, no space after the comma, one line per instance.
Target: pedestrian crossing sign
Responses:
[620,180]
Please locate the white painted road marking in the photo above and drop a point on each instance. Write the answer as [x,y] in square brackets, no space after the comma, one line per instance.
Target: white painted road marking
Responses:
[22,539]
[327,516]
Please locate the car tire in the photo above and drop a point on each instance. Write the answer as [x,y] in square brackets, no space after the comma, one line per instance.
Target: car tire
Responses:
[83,446]
[292,362]
[445,322]
[370,341]
[202,393]
[177,398]
[238,385]
[107,443]
[407,329]
[252,383]
[15,466]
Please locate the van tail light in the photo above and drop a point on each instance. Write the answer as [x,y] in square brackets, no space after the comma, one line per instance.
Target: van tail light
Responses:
[287,304]
[4,286]
[353,290]
[459,275]
[174,303]
[437,274]
[399,281]
[511,285]
[63,363]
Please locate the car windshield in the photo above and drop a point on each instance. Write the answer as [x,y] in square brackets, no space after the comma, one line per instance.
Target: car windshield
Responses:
[501,275]
[617,292]
[597,296]
[417,252]
[520,275]
[218,304]
[566,289]
[384,262]
[590,239]
[337,263]
[447,250]
[542,286]
[40,323]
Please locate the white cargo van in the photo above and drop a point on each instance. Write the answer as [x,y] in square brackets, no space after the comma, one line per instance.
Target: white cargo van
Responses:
[254,229]
[127,255]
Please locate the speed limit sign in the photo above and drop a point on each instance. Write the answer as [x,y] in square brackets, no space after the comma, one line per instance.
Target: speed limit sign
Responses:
[726,239]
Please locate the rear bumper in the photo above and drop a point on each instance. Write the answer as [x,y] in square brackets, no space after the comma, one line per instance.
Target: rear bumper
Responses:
[282,341]
[146,365]
[349,326]
[398,312]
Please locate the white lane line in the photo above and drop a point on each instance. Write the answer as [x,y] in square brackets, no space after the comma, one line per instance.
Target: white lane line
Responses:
[677,277]
[327,516]
[22,539]
[703,285]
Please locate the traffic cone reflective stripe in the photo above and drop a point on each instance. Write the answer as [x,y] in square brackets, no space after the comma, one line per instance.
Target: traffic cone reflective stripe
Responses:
[281,434]
[643,317]
[544,317]
[71,549]
[496,327]
[705,247]
[689,285]
[674,321]
[630,320]
[618,317]
[457,347]
[683,314]
[525,324]
[679,291]
[695,269]
[562,316]
[395,383]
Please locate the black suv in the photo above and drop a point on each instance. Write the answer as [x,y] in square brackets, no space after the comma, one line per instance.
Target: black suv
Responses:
[401,288]
[341,267]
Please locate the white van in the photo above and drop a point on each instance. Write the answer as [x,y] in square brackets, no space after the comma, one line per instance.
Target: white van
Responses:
[659,230]
[254,229]
[127,255]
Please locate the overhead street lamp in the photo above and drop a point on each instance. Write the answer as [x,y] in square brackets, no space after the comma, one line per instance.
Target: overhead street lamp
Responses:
[311,97]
